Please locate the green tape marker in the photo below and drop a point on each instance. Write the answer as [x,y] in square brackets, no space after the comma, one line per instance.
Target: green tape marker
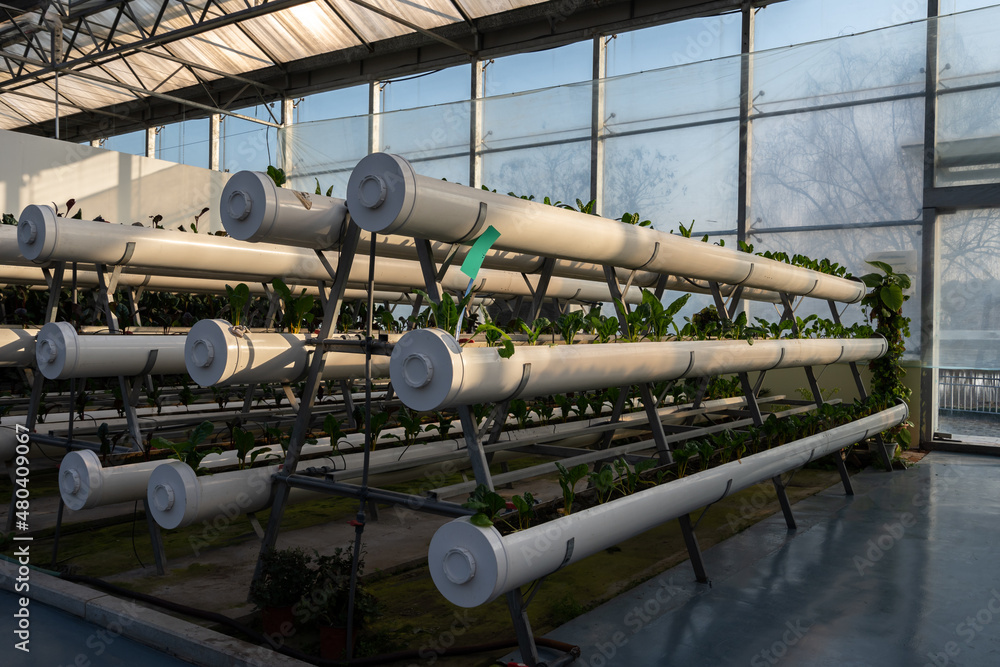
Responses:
[474,260]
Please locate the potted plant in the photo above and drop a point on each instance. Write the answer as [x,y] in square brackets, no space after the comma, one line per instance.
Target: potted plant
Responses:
[285,577]
[330,601]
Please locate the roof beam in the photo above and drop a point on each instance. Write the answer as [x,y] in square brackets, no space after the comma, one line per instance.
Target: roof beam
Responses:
[413,26]
[266,7]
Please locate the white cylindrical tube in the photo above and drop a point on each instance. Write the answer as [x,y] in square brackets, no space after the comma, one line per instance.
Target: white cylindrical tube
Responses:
[385,195]
[17,348]
[471,565]
[84,483]
[429,370]
[43,237]
[217,354]
[61,353]
[253,208]
[177,497]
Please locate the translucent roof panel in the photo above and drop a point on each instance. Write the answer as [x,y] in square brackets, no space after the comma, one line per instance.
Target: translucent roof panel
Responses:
[157,46]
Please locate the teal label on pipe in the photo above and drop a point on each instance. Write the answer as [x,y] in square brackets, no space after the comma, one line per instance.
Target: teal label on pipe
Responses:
[474,260]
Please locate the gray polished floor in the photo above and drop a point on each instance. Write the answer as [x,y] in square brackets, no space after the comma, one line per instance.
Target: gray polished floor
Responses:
[58,639]
[906,573]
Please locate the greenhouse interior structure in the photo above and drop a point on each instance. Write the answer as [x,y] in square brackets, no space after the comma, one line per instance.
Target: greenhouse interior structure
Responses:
[500,332]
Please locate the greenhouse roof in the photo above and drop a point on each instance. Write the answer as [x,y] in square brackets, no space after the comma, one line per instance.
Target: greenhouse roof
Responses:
[129,64]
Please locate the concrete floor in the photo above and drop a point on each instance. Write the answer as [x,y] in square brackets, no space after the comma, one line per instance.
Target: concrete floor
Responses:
[58,638]
[905,573]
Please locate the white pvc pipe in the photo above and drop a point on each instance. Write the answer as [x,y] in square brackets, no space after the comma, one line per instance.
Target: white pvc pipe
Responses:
[43,237]
[84,483]
[254,209]
[385,195]
[17,347]
[33,276]
[429,370]
[217,354]
[61,353]
[471,565]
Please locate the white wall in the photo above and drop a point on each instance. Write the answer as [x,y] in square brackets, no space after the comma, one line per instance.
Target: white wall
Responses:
[120,187]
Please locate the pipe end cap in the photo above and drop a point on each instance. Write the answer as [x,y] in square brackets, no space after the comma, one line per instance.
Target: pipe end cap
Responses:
[459,565]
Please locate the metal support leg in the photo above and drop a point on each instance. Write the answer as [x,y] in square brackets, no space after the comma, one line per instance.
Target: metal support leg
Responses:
[303,416]
[522,628]
[786,507]
[156,540]
[694,551]
[655,425]
[480,468]
[543,285]
[58,529]
[616,416]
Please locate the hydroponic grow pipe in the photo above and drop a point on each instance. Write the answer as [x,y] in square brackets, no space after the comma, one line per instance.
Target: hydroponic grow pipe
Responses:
[118,482]
[17,347]
[471,565]
[429,370]
[33,277]
[84,483]
[385,195]
[254,209]
[216,353]
[44,237]
[62,354]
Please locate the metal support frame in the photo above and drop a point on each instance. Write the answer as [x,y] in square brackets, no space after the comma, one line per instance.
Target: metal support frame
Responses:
[749,391]
[863,393]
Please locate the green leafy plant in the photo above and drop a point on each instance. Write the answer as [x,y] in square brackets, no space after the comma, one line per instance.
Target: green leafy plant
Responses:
[603,481]
[567,481]
[494,335]
[244,442]
[238,297]
[297,309]
[285,577]
[520,410]
[444,314]
[488,505]
[884,306]
[525,506]
[331,427]
[188,451]
[443,425]
[410,422]
[540,326]
[277,175]
[569,325]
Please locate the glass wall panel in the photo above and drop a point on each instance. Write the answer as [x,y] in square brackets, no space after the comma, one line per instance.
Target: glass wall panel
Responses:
[897,246]
[550,115]
[325,150]
[244,144]
[340,103]
[839,166]
[539,69]
[675,177]
[870,66]
[560,172]
[133,143]
[968,132]
[967,330]
[422,90]
[185,142]
[674,96]
[673,44]
[428,132]
[799,21]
